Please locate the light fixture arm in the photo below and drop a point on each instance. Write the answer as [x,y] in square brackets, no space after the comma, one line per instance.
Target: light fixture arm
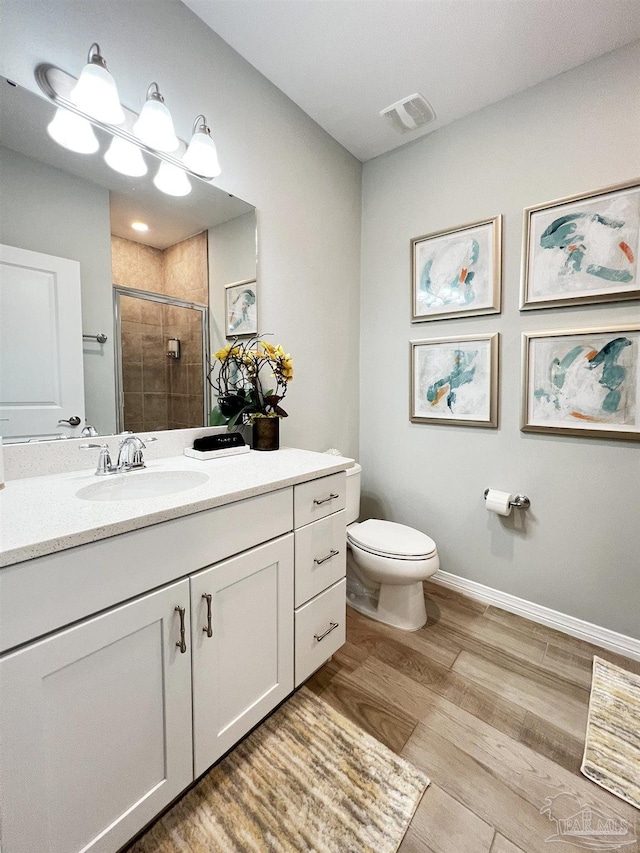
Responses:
[153,94]
[200,125]
[96,58]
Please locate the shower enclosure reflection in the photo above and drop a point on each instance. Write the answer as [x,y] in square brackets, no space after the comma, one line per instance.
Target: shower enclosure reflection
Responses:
[161,295]
[157,389]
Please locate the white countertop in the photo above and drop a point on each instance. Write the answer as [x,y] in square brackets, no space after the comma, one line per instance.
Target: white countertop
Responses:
[42,515]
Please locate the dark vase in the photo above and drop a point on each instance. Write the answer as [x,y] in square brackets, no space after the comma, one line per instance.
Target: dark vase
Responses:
[266,434]
[230,405]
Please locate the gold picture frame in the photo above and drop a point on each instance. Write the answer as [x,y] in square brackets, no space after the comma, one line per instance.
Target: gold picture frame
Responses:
[582,249]
[582,382]
[457,272]
[241,309]
[454,380]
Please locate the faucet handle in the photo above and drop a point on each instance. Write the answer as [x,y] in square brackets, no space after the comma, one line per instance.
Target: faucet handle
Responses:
[104,460]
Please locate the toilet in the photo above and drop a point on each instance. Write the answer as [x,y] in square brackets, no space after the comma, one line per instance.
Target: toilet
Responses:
[386,564]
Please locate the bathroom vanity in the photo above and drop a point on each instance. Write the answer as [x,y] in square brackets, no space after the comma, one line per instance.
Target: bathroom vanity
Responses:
[141,638]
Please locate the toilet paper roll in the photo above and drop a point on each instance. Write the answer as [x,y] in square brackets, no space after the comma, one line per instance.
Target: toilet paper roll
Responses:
[499,502]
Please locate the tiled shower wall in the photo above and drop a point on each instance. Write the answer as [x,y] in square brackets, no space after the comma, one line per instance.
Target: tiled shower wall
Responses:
[161,392]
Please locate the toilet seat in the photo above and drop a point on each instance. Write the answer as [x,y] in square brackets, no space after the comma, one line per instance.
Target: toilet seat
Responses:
[389,539]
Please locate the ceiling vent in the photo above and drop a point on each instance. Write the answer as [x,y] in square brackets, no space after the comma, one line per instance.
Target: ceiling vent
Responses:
[410,113]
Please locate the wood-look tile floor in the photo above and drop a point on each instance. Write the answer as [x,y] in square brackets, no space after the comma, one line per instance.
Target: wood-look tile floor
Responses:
[492,707]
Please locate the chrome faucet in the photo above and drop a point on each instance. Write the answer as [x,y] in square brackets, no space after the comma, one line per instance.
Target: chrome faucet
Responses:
[130,456]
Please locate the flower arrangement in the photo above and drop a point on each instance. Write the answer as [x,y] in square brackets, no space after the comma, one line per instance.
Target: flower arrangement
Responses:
[249,378]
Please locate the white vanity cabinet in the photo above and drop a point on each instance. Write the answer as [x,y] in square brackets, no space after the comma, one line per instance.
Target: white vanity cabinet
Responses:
[320,567]
[96,728]
[131,664]
[242,649]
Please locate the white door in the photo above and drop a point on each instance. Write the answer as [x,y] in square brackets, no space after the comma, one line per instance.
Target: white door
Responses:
[245,668]
[96,734]
[41,372]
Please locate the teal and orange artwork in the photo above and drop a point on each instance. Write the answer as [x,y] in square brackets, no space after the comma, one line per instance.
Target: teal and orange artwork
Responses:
[452,381]
[448,274]
[586,248]
[454,272]
[586,379]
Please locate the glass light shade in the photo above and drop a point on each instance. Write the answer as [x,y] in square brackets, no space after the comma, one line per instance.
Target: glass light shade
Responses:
[73,132]
[96,94]
[172,180]
[201,156]
[126,158]
[154,127]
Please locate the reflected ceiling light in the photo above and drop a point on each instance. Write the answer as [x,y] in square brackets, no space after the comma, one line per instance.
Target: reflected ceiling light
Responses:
[172,180]
[126,158]
[95,93]
[202,156]
[140,226]
[154,126]
[73,132]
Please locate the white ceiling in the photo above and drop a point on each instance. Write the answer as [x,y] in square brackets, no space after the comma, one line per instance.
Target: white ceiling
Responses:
[342,61]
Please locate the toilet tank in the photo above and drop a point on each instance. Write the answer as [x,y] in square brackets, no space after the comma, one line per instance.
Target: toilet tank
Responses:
[353,493]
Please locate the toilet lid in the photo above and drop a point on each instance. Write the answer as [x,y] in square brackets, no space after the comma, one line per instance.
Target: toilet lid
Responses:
[390,539]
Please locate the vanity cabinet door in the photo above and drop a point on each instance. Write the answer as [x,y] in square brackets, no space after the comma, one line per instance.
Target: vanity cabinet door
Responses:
[242,626]
[95,734]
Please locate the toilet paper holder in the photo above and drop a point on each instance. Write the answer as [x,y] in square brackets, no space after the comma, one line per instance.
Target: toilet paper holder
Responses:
[520,501]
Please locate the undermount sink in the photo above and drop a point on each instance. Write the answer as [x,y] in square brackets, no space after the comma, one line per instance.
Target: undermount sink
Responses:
[138,485]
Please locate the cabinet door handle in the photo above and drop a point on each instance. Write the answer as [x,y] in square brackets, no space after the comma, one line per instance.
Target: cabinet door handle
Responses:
[331,497]
[332,627]
[182,645]
[208,630]
[331,554]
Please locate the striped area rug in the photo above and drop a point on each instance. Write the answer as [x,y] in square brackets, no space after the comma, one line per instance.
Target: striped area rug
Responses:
[612,749]
[306,779]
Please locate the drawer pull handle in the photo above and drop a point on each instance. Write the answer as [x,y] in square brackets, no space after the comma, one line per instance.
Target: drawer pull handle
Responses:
[331,497]
[208,630]
[182,644]
[331,554]
[332,627]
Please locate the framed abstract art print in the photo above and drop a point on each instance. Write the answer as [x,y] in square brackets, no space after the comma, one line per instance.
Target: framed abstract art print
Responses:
[455,381]
[241,309]
[457,272]
[582,249]
[582,382]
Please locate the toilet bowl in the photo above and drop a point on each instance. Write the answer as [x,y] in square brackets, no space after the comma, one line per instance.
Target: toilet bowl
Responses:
[386,564]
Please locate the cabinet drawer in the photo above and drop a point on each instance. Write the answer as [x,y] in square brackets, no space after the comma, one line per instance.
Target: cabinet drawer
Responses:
[318,498]
[312,621]
[321,560]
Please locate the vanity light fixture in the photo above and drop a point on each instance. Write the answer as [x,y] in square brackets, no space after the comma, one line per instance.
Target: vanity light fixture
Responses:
[201,155]
[126,158]
[154,126]
[95,93]
[73,132]
[172,180]
[140,226]
[151,131]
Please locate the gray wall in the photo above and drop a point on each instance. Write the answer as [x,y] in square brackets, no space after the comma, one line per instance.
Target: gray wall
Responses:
[578,549]
[305,186]
[232,257]
[47,210]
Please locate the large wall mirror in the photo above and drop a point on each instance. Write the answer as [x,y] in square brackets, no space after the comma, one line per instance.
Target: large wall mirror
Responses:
[100,323]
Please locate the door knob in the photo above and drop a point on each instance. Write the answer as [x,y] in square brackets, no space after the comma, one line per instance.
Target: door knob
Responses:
[74,420]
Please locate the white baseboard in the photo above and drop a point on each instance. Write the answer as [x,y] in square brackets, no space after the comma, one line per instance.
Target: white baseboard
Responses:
[604,637]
